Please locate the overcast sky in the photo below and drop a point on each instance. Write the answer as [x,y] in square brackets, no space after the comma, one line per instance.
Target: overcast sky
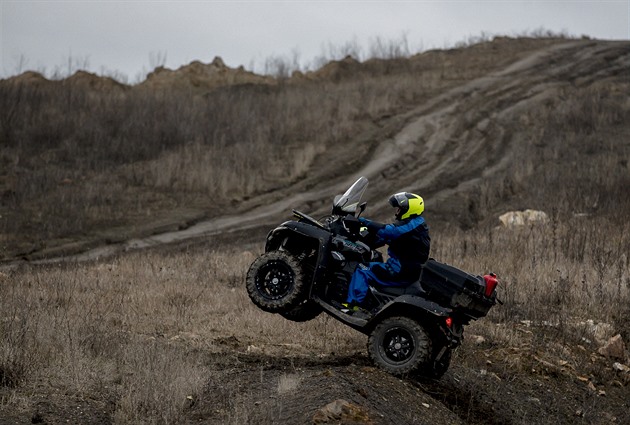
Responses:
[131,37]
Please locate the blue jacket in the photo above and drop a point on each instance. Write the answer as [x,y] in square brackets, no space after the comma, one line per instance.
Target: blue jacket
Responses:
[408,243]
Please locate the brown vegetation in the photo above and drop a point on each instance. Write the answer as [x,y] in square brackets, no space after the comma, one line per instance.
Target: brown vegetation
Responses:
[164,337]
[169,336]
[88,160]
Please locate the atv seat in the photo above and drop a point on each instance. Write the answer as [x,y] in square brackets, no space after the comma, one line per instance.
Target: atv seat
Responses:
[413,288]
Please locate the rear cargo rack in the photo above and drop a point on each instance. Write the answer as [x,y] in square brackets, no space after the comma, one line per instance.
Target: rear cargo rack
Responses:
[461,291]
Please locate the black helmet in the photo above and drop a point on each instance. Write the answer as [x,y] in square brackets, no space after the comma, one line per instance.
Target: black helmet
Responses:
[407,204]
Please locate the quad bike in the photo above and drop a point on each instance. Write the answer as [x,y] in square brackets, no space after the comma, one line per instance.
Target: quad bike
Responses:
[308,264]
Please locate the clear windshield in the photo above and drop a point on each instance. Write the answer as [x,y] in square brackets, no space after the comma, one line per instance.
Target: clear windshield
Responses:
[349,201]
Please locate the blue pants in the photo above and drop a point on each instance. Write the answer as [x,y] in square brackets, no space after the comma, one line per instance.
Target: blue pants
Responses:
[382,273]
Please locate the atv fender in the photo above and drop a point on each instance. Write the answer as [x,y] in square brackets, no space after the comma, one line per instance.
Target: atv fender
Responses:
[432,316]
[300,231]
[411,305]
[295,236]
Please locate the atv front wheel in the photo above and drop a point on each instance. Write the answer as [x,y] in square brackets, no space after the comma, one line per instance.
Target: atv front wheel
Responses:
[275,282]
[400,346]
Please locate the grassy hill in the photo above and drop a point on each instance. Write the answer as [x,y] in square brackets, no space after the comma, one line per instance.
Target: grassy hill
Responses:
[88,159]
[168,335]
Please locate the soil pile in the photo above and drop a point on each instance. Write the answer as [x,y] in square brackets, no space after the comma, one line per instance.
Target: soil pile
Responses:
[198,75]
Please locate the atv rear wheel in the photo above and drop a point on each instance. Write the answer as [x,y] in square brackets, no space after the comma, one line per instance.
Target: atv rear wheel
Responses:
[400,346]
[275,282]
[304,312]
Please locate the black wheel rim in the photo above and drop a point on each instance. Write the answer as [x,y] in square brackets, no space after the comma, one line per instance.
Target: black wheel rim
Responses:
[275,280]
[398,345]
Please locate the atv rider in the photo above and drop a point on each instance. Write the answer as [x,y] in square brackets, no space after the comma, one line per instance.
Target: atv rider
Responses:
[408,249]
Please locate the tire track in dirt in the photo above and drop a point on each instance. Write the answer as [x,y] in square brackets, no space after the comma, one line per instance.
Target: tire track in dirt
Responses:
[470,127]
[443,148]
[469,131]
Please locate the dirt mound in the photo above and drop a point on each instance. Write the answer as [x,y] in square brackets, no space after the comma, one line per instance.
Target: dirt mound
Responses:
[90,81]
[300,391]
[31,78]
[81,79]
[203,76]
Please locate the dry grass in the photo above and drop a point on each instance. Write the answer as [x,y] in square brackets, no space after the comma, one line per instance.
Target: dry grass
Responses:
[544,281]
[139,329]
